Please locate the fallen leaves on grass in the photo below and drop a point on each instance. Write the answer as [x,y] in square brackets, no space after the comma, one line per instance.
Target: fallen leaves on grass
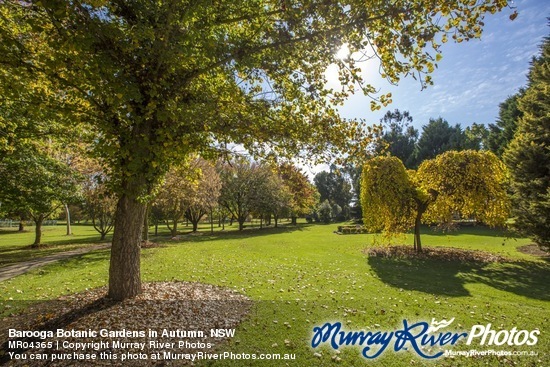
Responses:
[191,308]
[150,244]
[434,253]
[535,250]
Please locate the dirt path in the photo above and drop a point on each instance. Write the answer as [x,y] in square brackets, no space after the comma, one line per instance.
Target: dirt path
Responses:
[11,271]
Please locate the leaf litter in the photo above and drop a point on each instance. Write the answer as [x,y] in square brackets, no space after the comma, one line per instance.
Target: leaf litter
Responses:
[185,306]
[443,253]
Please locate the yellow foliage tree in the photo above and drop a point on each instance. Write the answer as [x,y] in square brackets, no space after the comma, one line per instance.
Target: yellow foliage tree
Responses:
[469,183]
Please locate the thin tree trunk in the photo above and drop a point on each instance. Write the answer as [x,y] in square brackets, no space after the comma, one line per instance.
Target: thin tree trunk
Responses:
[124,270]
[38,230]
[241,224]
[276,221]
[417,242]
[211,222]
[21,225]
[421,208]
[145,234]
[175,229]
[68,215]
[195,224]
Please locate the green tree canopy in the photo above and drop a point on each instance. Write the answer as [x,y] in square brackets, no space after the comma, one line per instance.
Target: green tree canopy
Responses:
[528,154]
[399,137]
[438,136]
[501,133]
[334,187]
[35,183]
[243,185]
[475,137]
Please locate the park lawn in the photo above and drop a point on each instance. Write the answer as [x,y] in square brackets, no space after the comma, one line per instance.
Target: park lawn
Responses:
[304,276]
[16,246]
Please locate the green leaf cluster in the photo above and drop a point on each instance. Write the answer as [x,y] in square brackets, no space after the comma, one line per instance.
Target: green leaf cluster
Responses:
[528,154]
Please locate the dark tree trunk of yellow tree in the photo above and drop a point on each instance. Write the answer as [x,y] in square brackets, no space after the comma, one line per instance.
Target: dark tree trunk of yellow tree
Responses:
[417,242]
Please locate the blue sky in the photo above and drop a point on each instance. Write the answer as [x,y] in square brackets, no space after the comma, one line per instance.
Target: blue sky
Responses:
[473,77]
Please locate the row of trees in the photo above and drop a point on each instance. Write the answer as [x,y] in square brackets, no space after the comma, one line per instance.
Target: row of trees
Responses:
[236,190]
[400,139]
[35,185]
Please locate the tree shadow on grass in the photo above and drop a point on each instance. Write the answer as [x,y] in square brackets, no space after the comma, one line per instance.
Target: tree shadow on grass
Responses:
[524,278]
[4,231]
[428,276]
[448,278]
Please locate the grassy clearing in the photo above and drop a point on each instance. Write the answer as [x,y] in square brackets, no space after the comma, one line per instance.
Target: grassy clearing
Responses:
[16,246]
[304,276]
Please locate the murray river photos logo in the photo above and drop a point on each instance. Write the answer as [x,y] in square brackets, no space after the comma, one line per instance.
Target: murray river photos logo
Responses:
[418,338]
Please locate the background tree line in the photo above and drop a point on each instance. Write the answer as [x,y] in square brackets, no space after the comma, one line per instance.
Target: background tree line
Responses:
[38,185]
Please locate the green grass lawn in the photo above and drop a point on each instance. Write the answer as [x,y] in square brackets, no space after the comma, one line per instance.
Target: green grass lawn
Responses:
[304,276]
[16,246]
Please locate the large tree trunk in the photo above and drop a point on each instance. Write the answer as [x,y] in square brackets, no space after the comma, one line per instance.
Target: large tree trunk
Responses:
[294,219]
[195,225]
[241,224]
[38,230]
[124,270]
